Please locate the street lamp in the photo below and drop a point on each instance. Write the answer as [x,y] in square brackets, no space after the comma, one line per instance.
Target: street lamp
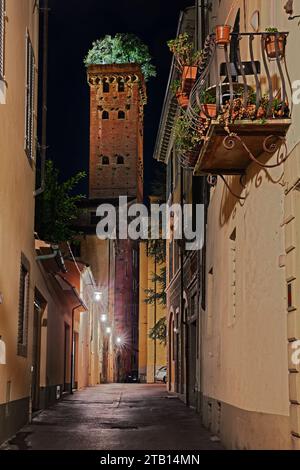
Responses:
[97,296]
[103,318]
[119,340]
[108,330]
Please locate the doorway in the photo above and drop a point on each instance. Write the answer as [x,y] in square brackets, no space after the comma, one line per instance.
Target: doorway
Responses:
[67,384]
[192,393]
[39,309]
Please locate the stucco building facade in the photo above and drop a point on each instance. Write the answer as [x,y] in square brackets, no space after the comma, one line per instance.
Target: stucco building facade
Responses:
[246,383]
[41,303]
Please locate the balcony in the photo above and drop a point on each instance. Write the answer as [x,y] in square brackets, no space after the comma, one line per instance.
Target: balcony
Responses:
[239,104]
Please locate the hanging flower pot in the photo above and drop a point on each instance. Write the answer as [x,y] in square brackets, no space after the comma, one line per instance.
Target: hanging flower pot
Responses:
[270,45]
[183,99]
[223,35]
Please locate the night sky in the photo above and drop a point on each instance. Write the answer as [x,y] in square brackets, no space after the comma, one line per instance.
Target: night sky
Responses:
[73,26]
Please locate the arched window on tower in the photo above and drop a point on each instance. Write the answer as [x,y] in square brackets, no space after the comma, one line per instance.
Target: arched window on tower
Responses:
[120,160]
[105,86]
[105,115]
[121,115]
[105,160]
[121,87]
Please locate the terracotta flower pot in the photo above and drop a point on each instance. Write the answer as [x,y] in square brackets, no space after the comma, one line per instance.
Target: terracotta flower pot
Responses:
[183,99]
[271,45]
[223,35]
[189,72]
[189,75]
[208,111]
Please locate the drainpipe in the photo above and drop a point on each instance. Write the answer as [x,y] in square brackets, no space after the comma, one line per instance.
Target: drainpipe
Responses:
[43,147]
[72,348]
[155,316]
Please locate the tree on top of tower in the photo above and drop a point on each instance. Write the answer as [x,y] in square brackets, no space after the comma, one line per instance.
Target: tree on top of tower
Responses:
[122,48]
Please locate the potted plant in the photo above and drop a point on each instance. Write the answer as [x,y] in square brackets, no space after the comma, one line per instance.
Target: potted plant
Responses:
[238,110]
[271,38]
[187,59]
[188,139]
[208,105]
[223,31]
[182,98]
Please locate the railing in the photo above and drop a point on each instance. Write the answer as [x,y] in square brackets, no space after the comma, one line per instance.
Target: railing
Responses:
[248,78]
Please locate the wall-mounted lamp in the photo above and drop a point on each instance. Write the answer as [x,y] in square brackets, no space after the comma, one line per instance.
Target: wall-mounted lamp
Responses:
[103,318]
[98,296]
[108,330]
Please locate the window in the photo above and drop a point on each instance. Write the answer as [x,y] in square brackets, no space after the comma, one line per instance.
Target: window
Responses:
[120,160]
[121,115]
[29,111]
[105,115]
[121,87]
[23,307]
[105,160]
[2,37]
[106,87]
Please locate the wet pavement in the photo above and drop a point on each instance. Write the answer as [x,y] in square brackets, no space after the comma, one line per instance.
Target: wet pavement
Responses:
[116,417]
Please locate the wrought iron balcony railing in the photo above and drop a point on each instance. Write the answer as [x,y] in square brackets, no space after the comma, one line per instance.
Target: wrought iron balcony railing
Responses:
[242,97]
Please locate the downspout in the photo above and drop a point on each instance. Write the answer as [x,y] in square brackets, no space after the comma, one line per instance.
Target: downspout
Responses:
[43,147]
[155,316]
[184,324]
[72,349]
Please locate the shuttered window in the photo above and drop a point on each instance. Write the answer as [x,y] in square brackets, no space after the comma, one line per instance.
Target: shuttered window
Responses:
[23,307]
[29,110]
[2,37]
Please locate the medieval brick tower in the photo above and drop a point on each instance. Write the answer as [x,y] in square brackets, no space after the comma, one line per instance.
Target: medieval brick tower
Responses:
[116,132]
[117,99]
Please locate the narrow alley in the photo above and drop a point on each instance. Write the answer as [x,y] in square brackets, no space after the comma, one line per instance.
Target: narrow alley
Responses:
[116,417]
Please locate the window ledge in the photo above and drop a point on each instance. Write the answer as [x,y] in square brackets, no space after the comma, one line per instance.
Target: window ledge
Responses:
[3,87]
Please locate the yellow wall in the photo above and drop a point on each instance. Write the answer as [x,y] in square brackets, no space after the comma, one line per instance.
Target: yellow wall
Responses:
[152,354]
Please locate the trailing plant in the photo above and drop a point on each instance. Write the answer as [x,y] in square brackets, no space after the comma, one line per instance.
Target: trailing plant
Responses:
[238,111]
[188,138]
[207,98]
[121,49]
[184,51]
[175,86]
[271,30]
[58,206]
